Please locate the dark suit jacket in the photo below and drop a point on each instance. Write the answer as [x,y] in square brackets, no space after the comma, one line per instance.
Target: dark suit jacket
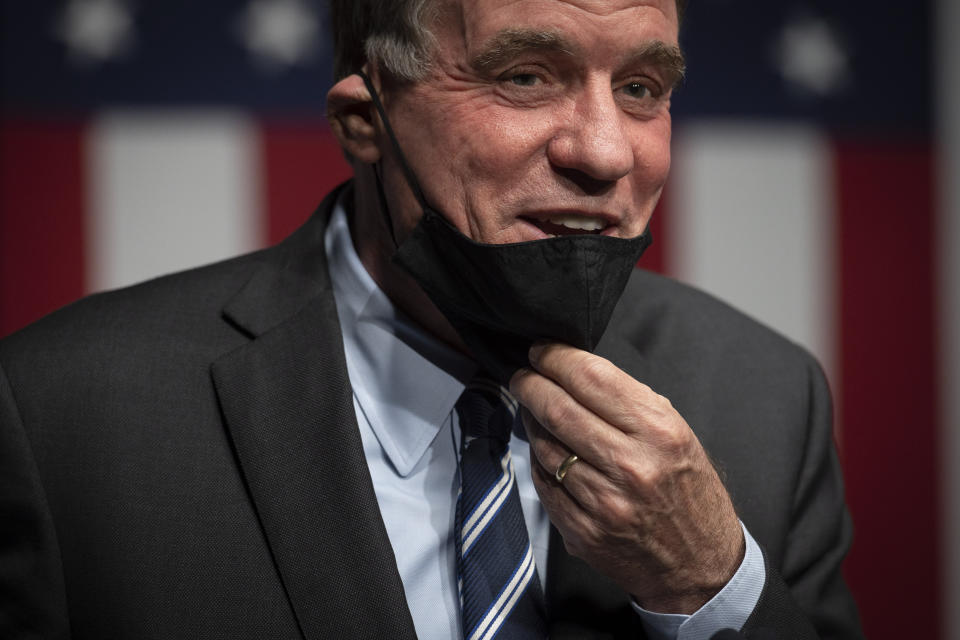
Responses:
[180,459]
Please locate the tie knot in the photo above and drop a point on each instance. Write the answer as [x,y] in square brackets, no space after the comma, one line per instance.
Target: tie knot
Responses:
[486,410]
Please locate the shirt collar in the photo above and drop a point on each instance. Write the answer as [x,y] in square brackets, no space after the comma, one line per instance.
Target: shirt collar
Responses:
[400,374]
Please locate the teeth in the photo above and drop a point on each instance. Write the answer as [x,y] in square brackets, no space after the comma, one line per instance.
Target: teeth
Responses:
[577,222]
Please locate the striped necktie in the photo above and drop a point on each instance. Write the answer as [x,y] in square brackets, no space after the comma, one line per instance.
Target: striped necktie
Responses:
[500,594]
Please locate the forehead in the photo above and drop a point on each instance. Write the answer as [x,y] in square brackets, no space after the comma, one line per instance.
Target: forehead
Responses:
[596,25]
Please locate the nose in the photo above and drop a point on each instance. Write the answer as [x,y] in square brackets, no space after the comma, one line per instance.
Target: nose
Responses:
[593,149]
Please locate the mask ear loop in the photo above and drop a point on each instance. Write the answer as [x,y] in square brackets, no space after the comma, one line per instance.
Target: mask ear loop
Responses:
[411,179]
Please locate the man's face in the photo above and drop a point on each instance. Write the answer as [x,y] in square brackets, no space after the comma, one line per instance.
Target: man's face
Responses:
[539,116]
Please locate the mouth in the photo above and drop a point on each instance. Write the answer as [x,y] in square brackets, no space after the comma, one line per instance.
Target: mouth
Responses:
[552,225]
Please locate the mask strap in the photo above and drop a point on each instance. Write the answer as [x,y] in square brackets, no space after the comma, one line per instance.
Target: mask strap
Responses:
[407,172]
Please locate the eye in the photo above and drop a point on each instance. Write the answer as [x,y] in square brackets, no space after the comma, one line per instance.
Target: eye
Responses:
[523,79]
[637,90]
[528,85]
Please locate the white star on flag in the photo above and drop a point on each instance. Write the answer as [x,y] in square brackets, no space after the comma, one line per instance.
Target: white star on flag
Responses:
[96,31]
[280,33]
[811,57]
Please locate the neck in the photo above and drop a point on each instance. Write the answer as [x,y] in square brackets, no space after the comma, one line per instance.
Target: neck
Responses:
[374,245]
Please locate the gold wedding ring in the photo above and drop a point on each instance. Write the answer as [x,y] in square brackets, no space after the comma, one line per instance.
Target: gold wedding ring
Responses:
[571,460]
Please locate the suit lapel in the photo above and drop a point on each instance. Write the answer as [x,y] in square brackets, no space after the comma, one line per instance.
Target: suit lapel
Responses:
[287,403]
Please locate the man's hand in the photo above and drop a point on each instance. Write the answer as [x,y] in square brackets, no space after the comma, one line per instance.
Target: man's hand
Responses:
[644,505]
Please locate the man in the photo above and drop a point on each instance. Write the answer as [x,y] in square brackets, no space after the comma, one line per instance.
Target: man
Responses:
[272,446]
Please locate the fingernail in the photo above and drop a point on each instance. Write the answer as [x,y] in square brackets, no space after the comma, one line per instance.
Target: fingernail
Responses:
[536,349]
[519,373]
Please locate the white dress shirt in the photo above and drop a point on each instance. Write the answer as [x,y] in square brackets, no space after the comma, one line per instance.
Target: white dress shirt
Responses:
[405,385]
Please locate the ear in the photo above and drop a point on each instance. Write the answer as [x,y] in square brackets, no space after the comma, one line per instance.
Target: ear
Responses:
[350,111]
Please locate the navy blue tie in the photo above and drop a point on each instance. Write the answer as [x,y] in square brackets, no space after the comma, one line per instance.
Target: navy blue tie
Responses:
[500,594]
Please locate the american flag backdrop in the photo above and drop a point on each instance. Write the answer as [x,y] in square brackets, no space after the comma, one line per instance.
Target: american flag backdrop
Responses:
[815,185]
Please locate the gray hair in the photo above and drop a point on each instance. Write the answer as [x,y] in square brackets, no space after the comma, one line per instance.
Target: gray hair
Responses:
[394,33]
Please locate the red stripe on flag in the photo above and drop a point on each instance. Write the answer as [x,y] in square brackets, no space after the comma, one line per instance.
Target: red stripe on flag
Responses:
[654,258]
[888,384]
[302,163]
[42,199]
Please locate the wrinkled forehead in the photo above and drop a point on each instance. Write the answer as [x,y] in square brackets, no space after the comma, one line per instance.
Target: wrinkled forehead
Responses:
[596,26]
[598,7]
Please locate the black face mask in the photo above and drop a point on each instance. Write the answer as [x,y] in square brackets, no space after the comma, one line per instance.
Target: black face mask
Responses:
[501,298]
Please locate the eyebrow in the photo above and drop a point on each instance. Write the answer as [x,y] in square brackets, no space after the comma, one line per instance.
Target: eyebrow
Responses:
[510,43]
[667,57]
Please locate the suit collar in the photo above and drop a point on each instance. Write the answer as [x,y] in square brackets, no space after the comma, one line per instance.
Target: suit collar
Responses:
[291,274]
[287,404]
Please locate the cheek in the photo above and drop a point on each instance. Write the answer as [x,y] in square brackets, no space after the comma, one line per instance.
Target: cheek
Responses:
[511,154]
[499,141]
[497,160]
[653,155]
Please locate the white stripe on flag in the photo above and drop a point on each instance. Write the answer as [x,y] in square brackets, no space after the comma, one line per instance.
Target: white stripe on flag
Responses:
[168,192]
[948,133]
[752,224]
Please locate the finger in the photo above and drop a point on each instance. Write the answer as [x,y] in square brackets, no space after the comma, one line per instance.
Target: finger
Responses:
[582,481]
[601,386]
[576,427]
[542,442]
[574,523]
